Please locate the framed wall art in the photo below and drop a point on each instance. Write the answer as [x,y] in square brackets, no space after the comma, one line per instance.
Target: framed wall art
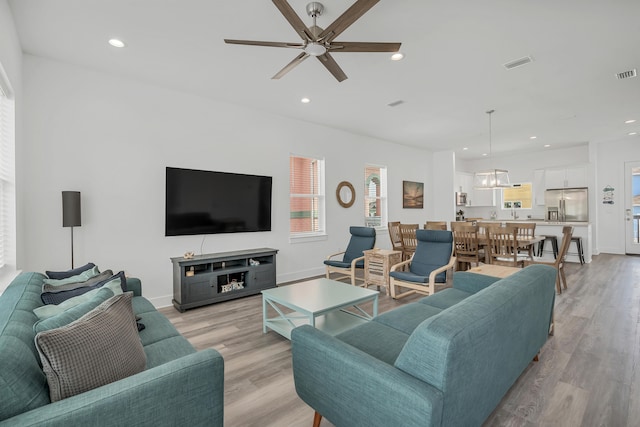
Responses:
[412,195]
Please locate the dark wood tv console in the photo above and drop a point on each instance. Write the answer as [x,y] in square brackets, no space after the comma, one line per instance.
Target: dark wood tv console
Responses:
[210,278]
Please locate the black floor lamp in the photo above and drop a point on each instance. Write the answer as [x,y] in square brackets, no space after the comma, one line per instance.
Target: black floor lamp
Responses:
[71,213]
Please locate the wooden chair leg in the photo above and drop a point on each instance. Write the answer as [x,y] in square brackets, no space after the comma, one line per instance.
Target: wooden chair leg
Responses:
[558,288]
[317,418]
[564,279]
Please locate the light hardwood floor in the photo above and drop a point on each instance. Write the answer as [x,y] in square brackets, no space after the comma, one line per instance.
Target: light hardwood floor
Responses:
[588,374]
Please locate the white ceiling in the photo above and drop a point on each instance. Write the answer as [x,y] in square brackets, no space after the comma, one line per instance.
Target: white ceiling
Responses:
[452,72]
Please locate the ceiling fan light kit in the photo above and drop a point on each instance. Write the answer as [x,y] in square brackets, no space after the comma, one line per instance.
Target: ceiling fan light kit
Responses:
[320,42]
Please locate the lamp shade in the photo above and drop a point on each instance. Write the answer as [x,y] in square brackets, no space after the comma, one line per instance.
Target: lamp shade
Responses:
[489,180]
[71,212]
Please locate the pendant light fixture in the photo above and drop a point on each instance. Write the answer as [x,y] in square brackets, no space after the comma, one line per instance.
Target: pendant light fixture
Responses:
[493,178]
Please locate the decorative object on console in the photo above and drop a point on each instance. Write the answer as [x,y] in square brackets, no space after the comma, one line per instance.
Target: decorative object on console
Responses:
[494,178]
[189,255]
[412,195]
[346,194]
[71,213]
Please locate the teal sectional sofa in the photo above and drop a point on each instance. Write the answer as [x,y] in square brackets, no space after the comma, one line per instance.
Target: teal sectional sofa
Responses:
[445,360]
[180,386]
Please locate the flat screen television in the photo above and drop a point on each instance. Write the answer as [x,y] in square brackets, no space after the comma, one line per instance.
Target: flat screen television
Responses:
[207,202]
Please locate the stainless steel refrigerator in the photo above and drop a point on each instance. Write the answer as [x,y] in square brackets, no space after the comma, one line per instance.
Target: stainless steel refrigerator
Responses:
[567,204]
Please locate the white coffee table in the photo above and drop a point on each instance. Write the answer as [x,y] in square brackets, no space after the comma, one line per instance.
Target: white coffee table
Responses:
[319,303]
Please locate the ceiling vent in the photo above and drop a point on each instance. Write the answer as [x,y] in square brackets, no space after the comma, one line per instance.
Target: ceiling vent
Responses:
[518,63]
[627,74]
[395,103]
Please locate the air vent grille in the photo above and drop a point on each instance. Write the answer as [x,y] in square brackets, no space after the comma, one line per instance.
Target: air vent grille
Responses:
[627,74]
[518,63]
[395,103]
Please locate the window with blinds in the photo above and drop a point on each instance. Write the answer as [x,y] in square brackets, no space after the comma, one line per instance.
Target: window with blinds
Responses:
[7,177]
[375,196]
[306,196]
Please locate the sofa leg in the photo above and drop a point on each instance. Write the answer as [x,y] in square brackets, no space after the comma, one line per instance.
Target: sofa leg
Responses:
[317,418]
[536,358]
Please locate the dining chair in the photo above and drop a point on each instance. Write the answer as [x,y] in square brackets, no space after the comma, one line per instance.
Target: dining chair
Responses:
[429,265]
[362,239]
[484,226]
[435,225]
[395,236]
[409,242]
[558,263]
[526,230]
[467,247]
[503,246]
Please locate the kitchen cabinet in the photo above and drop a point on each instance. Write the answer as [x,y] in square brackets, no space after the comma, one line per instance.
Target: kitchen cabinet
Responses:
[539,187]
[574,176]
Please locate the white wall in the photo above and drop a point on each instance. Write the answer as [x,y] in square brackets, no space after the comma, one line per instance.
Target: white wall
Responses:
[111,138]
[11,62]
[610,170]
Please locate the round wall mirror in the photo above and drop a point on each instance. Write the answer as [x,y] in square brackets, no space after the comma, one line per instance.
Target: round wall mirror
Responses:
[346,194]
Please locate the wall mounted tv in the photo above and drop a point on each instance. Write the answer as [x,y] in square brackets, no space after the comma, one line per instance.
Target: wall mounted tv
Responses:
[207,202]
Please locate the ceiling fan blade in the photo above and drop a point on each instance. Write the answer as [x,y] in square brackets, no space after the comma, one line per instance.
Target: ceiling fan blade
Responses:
[290,15]
[359,8]
[291,65]
[333,67]
[269,44]
[364,47]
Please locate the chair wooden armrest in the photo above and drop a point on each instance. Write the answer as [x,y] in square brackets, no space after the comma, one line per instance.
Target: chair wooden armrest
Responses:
[395,267]
[355,261]
[434,273]
[336,254]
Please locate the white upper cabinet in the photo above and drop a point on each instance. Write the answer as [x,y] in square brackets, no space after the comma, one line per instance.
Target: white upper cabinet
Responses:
[574,176]
[539,187]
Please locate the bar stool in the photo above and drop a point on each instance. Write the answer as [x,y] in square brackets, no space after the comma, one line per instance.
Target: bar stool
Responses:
[580,253]
[554,245]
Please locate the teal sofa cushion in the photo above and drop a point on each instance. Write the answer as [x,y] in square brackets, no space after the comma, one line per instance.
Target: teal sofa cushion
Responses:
[445,298]
[378,340]
[407,317]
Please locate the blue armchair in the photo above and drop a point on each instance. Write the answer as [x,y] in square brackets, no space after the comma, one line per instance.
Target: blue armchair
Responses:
[428,265]
[362,239]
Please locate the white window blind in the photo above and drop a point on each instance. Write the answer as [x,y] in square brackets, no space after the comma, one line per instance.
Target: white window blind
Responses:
[7,178]
[306,196]
[375,196]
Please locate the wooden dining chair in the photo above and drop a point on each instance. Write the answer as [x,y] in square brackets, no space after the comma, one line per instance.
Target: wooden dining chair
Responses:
[466,245]
[395,235]
[435,225]
[558,263]
[503,246]
[409,242]
[526,230]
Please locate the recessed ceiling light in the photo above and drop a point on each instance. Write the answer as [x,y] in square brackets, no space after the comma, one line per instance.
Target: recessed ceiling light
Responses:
[397,56]
[633,133]
[116,43]
[547,145]
[485,154]
[305,100]
[630,121]
[465,148]
[533,137]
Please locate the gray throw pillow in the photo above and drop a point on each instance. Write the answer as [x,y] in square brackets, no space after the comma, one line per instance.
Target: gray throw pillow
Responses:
[101,347]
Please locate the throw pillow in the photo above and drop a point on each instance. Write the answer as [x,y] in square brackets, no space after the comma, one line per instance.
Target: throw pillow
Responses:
[60,297]
[101,347]
[69,273]
[85,275]
[50,310]
[73,313]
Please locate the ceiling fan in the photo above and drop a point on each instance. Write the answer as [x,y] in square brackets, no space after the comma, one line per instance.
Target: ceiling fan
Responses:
[320,43]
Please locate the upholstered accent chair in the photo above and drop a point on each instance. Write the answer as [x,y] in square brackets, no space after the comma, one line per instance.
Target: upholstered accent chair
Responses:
[428,265]
[362,239]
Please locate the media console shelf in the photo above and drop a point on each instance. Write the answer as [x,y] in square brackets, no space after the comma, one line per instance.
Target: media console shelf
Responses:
[210,278]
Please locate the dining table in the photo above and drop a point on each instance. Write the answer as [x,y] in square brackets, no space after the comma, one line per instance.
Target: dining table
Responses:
[524,242]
